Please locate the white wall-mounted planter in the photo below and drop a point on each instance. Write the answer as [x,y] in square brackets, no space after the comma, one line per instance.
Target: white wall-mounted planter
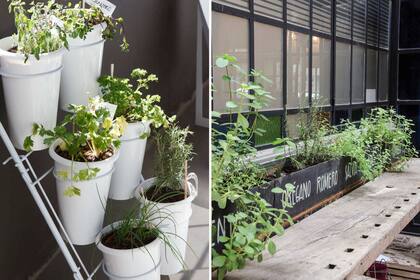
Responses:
[31,91]
[134,264]
[128,167]
[82,67]
[83,215]
[172,218]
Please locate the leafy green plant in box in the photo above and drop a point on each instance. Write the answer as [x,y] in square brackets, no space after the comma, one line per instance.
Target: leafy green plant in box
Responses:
[132,103]
[382,141]
[234,174]
[311,146]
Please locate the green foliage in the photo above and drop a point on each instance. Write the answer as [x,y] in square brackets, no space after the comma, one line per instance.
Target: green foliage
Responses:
[381,139]
[46,27]
[234,174]
[311,146]
[79,22]
[86,135]
[141,224]
[172,151]
[37,32]
[131,102]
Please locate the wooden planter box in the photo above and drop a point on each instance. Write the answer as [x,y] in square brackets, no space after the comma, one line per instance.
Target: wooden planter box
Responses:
[313,185]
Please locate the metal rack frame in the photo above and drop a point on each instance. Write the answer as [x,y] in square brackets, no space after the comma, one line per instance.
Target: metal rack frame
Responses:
[33,182]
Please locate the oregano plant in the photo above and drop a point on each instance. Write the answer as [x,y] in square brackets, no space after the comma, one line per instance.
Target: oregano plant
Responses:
[38,30]
[234,173]
[132,102]
[87,134]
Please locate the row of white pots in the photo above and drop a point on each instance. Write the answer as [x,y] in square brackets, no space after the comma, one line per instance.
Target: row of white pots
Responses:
[156,258]
[36,87]
[83,215]
[33,91]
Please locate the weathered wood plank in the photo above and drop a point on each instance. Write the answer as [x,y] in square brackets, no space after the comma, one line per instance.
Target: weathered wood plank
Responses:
[343,239]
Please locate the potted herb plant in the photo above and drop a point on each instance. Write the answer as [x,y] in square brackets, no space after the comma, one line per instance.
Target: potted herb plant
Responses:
[84,147]
[86,30]
[141,111]
[171,192]
[31,63]
[131,247]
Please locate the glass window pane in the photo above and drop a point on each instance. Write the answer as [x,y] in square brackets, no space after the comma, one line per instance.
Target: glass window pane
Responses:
[239,4]
[272,128]
[408,80]
[372,75]
[235,44]
[340,116]
[298,12]
[359,21]
[412,112]
[321,71]
[322,16]
[372,22]
[268,46]
[410,24]
[272,8]
[293,120]
[342,74]
[343,18]
[297,69]
[384,23]
[356,115]
[383,75]
[358,75]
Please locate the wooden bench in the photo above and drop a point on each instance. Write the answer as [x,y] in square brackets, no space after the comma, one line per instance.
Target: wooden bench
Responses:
[343,239]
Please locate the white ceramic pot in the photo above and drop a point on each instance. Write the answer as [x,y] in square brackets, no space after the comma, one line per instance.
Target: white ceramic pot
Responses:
[31,91]
[83,215]
[134,264]
[128,167]
[173,219]
[82,67]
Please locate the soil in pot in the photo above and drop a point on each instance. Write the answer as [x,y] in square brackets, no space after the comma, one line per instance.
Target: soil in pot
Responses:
[87,155]
[130,241]
[13,50]
[164,194]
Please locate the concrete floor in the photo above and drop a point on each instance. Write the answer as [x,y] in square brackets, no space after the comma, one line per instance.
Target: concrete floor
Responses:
[198,237]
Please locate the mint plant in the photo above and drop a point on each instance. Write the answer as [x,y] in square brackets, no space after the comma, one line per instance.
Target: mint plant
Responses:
[87,134]
[37,29]
[234,174]
[131,101]
[78,22]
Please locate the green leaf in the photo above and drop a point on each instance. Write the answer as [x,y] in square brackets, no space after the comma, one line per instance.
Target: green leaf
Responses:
[271,247]
[28,143]
[242,121]
[231,105]
[219,261]
[278,190]
[221,62]
[72,191]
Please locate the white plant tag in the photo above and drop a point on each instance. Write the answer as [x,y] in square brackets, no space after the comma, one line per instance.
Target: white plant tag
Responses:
[55,20]
[111,108]
[107,7]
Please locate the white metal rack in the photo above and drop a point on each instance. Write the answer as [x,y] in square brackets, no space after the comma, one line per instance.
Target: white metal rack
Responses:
[33,182]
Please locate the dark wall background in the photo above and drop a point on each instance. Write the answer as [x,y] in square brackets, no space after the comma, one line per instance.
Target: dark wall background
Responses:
[162,35]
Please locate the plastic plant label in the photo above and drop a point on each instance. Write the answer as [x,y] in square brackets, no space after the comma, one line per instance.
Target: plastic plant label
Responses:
[111,108]
[107,7]
[56,21]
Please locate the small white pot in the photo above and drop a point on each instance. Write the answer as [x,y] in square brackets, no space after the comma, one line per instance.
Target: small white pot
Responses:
[172,218]
[82,215]
[31,92]
[134,264]
[82,67]
[127,174]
